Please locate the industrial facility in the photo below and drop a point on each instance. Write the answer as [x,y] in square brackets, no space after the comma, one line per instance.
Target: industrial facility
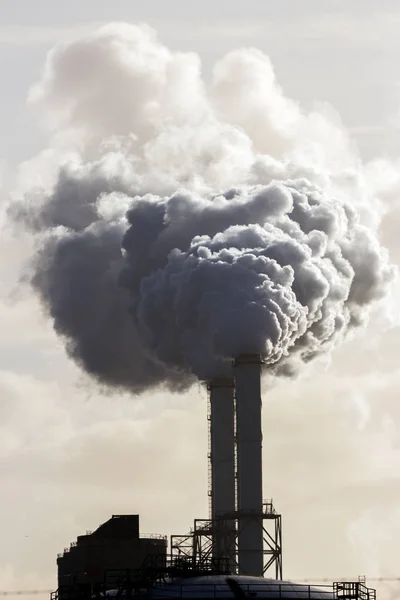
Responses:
[235,553]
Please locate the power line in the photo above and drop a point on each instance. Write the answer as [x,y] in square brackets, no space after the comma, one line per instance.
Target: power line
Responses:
[24,592]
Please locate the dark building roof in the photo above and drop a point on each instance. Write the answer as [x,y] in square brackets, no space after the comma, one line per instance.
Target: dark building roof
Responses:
[119,527]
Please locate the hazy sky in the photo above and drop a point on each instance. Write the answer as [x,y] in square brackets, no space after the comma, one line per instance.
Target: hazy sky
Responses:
[69,458]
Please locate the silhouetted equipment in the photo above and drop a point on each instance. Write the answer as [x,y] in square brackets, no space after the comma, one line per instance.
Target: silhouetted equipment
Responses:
[198,546]
[115,546]
[228,555]
[181,581]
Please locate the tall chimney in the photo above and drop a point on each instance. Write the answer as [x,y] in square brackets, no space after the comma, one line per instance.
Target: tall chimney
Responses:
[223,498]
[247,369]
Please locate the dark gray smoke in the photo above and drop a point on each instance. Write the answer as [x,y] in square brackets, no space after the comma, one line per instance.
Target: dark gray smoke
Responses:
[188,282]
[76,273]
[279,270]
[150,274]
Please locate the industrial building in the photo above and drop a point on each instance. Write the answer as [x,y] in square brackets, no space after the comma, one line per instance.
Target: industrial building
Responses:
[235,553]
[96,560]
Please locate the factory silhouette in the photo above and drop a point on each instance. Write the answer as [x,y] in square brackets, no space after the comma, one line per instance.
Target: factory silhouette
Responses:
[235,553]
[196,231]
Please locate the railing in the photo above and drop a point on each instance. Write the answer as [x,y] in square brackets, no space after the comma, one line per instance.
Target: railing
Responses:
[153,536]
[148,536]
[268,507]
[353,590]
[272,591]
[225,589]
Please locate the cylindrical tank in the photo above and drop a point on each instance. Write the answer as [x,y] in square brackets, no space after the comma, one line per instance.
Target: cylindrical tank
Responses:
[218,586]
[247,372]
[222,437]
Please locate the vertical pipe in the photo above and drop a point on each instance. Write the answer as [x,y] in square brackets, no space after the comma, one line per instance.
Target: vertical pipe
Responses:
[247,370]
[222,436]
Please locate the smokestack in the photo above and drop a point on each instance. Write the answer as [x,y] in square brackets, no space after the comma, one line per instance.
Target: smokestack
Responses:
[222,437]
[249,464]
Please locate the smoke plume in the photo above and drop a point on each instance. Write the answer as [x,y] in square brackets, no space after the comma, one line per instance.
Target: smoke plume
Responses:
[191,223]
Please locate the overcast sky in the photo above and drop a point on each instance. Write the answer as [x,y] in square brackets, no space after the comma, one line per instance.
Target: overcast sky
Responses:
[69,457]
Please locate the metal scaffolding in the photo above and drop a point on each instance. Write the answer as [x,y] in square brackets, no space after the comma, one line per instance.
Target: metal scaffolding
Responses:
[200,545]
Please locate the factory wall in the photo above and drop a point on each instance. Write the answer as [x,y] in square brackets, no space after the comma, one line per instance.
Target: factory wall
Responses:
[114,546]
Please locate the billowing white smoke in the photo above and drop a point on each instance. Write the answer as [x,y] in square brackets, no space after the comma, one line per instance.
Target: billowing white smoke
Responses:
[198,222]
[278,270]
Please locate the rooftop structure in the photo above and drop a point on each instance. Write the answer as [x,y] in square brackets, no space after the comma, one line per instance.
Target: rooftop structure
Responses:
[96,559]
